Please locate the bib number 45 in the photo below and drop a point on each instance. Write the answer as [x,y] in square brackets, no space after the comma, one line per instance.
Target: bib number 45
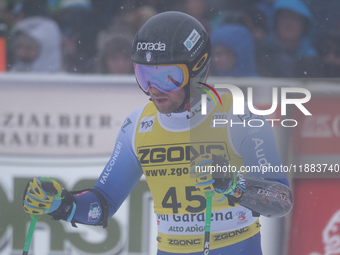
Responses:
[170,200]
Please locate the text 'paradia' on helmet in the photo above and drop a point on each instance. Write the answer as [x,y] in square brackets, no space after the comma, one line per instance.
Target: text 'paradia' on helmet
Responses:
[171,38]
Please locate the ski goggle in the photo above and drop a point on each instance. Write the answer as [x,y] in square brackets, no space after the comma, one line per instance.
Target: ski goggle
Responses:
[166,78]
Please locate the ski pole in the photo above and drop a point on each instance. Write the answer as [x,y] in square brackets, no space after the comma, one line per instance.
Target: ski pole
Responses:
[208,196]
[34,219]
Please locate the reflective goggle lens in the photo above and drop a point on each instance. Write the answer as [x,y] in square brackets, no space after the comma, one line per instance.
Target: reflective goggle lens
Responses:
[166,78]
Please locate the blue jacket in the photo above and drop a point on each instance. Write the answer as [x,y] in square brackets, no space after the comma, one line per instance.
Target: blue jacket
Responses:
[239,40]
[300,8]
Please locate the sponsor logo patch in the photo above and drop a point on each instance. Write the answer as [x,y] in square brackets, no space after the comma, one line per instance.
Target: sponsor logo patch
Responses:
[192,39]
[125,124]
[148,56]
[159,46]
[146,124]
[95,212]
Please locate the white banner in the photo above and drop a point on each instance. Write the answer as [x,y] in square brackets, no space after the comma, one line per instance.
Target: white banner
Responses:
[65,126]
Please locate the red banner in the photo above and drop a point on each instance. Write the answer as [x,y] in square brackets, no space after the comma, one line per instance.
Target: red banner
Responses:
[315,226]
[318,134]
[2,54]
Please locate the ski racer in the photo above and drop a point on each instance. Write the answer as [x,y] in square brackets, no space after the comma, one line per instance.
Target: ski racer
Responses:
[166,140]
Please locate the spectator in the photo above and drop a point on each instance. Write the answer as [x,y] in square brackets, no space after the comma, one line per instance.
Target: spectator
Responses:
[6,15]
[135,18]
[289,42]
[115,55]
[266,8]
[18,10]
[233,51]
[228,12]
[79,33]
[36,46]
[326,16]
[106,10]
[327,64]
[199,10]
[242,12]
[256,20]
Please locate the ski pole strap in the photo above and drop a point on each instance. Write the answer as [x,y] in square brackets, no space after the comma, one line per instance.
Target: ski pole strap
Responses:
[67,208]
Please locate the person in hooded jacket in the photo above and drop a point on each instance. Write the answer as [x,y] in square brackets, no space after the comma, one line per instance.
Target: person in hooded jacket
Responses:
[327,63]
[114,55]
[79,29]
[36,46]
[289,42]
[233,51]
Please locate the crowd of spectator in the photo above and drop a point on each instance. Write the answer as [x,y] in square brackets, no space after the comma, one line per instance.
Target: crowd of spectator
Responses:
[250,38]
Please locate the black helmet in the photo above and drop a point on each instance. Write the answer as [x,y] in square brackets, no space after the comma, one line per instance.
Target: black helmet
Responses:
[174,38]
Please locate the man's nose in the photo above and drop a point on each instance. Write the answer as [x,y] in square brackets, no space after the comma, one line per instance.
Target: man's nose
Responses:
[154,90]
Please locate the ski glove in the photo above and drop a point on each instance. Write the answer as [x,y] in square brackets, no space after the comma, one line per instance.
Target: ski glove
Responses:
[42,195]
[45,195]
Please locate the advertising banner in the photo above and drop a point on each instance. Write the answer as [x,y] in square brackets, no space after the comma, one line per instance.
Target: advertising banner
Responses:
[65,126]
[315,217]
[316,154]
